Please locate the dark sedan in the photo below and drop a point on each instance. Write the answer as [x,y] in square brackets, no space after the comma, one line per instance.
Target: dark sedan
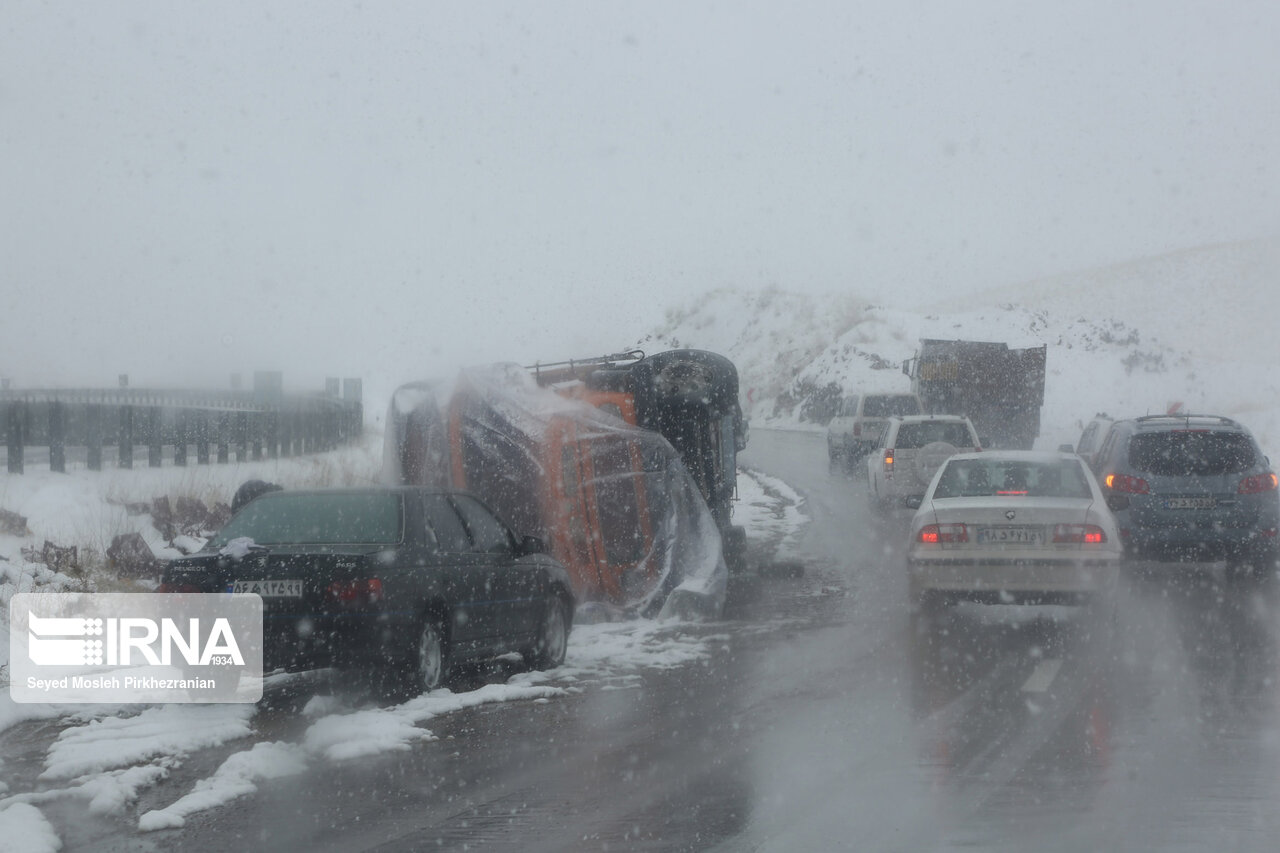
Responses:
[406,581]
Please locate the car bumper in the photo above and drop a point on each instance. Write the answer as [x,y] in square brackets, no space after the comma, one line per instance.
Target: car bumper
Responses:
[1180,543]
[307,641]
[1013,578]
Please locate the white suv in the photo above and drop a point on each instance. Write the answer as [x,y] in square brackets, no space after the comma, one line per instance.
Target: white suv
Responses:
[856,428]
[911,451]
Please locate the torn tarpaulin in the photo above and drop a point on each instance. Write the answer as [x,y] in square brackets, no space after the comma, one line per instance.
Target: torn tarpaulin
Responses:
[612,501]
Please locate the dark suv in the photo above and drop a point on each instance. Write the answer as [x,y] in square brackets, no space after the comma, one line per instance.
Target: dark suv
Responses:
[1191,487]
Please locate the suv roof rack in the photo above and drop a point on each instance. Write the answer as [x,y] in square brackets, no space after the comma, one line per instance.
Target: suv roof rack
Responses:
[1187,417]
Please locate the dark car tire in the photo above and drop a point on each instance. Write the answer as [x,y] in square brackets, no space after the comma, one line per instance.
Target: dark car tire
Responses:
[429,658]
[552,645]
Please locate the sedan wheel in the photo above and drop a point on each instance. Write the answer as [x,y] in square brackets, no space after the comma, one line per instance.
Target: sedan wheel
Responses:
[553,636]
[429,661]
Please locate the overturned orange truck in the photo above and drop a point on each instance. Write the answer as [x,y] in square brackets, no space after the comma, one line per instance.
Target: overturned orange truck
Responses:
[613,501]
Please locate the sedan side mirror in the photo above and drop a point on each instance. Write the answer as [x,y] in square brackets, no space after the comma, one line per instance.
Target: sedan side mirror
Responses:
[532,545]
[913,501]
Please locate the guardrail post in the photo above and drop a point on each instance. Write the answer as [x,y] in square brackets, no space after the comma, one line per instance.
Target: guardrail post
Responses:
[57,436]
[287,418]
[242,436]
[255,436]
[271,428]
[202,437]
[15,434]
[154,439]
[181,428]
[93,436]
[126,437]
[224,438]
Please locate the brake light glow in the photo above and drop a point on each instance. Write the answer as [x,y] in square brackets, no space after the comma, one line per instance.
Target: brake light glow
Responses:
[1081,534]
[1127,484]
[353,592]
[938,534]
[1257,483]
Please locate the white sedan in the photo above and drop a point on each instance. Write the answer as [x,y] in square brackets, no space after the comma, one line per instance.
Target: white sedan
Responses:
[1013,526]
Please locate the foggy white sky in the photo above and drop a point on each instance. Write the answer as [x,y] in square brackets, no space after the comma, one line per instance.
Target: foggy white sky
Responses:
[384,189]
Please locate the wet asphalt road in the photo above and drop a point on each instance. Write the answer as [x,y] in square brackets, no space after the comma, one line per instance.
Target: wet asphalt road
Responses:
[826,718]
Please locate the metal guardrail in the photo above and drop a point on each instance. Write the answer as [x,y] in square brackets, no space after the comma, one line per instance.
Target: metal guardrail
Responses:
[248,424]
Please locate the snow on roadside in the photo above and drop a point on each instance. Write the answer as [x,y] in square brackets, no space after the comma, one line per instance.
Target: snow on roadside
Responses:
[769,509]
[162,731]
[610,654]
[24,829]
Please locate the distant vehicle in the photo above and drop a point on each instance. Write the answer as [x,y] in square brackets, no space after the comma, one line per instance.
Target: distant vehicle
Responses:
[1000,389]
[1091,438]
[404,581]
[855,430]
[1013,526]
[911,450]
[1191,487]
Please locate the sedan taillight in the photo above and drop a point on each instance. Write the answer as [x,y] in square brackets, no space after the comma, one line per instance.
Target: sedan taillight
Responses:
[1257,483]
[355,593]
[937,534]
[1080,534]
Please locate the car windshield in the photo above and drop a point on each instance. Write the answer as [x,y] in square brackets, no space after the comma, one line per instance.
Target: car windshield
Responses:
[918,435]
[284,518]
[1191,453]
[1004,477]
[889,406]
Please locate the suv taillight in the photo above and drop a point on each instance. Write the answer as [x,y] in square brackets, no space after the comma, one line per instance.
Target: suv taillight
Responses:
[1127,484]
[1257,483]
[1081,534]
[937,534]
[888,460]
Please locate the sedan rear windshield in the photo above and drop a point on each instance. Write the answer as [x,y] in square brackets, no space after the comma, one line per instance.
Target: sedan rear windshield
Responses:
[282,518]
[889,406]
[1191,453]
[918,435]
[964,478]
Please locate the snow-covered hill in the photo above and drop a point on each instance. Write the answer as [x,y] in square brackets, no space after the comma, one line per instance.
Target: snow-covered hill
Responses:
[1195,327]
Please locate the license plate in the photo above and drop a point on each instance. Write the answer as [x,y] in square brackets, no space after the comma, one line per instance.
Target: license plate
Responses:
[1011,535]
[270,589]
[1191,503]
